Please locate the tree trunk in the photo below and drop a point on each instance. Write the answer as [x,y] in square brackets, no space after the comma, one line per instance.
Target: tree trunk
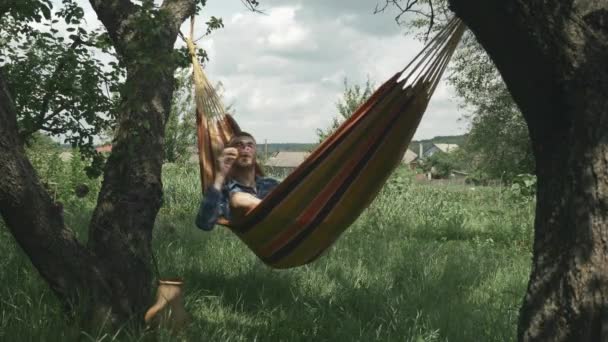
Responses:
[113,273]
[553,56]
[37,224]
[131,194]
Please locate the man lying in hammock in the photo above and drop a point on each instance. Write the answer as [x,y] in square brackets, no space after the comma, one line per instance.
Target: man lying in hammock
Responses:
[236,188]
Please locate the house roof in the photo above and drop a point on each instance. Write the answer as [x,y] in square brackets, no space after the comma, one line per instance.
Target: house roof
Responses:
[104,148]
[446,147]
[287,159]
[409,156]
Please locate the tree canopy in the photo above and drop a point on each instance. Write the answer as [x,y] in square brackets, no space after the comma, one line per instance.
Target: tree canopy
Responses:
[60,84]
[352,98]
[66,79]
[498,144]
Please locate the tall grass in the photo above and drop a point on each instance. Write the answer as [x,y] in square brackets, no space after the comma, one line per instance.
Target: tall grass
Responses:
[422,263]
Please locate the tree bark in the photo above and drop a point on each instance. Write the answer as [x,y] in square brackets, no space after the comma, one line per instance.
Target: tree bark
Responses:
[131,194]
[113,271]
[553,56]
[37,223]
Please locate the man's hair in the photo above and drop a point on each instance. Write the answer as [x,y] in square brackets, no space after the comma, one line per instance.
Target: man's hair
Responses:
[240,135]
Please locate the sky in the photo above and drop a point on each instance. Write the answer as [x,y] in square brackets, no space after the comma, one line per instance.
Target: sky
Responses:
[283,71]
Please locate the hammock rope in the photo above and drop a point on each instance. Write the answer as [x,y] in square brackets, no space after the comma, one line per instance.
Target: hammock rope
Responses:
[309,210]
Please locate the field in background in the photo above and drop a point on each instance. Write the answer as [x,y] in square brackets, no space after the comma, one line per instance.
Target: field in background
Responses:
[422,263]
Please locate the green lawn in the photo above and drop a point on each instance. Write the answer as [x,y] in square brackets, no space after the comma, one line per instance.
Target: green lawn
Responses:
[423,263]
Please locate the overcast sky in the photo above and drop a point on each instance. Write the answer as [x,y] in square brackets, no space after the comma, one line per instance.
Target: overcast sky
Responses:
[284,70]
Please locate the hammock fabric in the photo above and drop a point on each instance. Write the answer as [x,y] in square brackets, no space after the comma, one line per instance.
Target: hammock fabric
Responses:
[309,210]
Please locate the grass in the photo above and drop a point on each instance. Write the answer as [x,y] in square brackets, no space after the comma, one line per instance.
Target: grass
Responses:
[422,263]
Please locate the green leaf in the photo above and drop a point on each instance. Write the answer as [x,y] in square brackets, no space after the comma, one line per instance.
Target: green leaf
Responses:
[46,11]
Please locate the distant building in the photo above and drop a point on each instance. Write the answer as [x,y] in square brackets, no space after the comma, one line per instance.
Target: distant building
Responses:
[104,148]
[410,159]
[446,148]
[284,162]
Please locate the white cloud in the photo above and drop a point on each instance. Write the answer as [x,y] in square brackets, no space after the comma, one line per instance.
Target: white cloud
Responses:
[283,31]
[284,70]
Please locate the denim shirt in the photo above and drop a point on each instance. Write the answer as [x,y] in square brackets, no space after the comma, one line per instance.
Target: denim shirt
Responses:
[215,204]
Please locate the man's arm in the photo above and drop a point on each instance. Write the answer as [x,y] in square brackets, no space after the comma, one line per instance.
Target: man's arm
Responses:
[209,209]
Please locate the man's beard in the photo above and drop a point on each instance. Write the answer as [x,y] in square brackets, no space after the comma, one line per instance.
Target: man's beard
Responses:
[241,166]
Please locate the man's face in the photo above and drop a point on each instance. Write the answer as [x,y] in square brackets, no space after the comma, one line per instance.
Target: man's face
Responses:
[246,151]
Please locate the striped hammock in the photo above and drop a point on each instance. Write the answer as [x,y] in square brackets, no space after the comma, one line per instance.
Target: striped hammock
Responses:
[309,210]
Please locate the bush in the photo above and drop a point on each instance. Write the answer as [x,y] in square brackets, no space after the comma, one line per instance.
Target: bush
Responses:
[443,164]
[66,181]
[524,184]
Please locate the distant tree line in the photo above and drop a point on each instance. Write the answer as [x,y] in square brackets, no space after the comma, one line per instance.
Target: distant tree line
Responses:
[497,147]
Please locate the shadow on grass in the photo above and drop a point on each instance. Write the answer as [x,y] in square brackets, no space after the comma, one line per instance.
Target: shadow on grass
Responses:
[360,291]
[429,287]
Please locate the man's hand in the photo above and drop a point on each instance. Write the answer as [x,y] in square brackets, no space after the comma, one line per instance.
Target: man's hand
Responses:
[225,161]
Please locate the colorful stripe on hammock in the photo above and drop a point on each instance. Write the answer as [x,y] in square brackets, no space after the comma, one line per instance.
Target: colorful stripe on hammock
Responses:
[312,162]
[320,210]
[297,222]
[327,200]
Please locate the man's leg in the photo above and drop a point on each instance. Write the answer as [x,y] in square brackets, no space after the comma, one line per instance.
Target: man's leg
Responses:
[241,203]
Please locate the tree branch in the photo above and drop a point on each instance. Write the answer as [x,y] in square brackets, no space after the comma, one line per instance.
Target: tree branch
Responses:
[252,5]
[37,223]
[113,14]
[48,118]
[40,124]
[8,113]
[50,88]
[179,10]
[397,3]
[411,6]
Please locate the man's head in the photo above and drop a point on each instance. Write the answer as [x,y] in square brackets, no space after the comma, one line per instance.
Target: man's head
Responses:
[246,147]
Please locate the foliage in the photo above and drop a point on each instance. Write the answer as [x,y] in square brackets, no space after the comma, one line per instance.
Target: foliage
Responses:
[25,10]
[65,80]
[180,132]
[498,144]
[144,35]
[352,98]
[55,74]
[62,173]
[524,184]
[442,164]
[422,263]
[41,142]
